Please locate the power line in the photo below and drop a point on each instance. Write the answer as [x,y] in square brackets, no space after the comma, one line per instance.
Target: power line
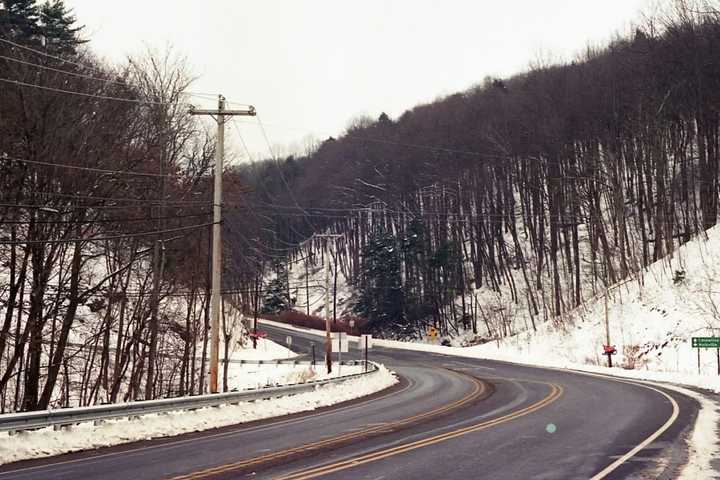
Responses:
[393,142]
[275,161]
[171,203]
[83,94]
[282,176]
[103,220]
[45,54]
[65,207]
[111,237]
[209,96]
[87,169]
[98,207]
[206,96]
[325,209]
[66,72]
[242,140]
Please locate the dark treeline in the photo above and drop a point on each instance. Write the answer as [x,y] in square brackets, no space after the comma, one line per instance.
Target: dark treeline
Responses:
[539,189]
[105,205]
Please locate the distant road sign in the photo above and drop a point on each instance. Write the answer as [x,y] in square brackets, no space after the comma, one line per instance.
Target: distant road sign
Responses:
[609,350]
[288,340]
[706,342]
[432,333]
[365,341]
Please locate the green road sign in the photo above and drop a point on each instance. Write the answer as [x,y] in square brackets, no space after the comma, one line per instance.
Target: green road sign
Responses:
[706,342]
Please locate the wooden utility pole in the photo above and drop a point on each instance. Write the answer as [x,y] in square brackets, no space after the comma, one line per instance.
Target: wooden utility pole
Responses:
[328,344]
[215,304]
[609,349]
[328,340]
[607,330]
[158,264]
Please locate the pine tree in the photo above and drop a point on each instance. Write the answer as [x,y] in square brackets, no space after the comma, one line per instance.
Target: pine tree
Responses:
[57,26]
[277,297]
[382,300]
[19,20]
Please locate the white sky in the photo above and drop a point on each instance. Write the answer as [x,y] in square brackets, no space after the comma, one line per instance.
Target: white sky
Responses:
[310,66]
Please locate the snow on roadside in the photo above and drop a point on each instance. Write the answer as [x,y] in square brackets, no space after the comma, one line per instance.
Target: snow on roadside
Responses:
[47,442]
[257,376]
[266,350]
[703,443]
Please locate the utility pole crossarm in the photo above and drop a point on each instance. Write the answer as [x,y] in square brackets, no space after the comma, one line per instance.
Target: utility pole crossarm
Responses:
[250,112]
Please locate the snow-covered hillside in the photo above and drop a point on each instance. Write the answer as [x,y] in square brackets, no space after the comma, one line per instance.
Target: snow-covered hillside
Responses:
[652,318]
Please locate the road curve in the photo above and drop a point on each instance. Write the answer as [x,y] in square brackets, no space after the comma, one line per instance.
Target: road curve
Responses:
[449,418]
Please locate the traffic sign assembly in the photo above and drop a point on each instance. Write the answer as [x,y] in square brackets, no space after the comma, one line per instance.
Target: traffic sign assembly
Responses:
[706,342]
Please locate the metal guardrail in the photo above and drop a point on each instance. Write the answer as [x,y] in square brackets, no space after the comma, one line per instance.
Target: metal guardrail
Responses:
[67,416]
[285,361]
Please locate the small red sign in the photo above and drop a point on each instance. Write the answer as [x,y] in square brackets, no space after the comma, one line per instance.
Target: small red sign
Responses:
[609,349]
[260,334]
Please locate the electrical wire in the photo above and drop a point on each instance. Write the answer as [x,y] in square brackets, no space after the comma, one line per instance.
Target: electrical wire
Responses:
[110,237]
[169,203]
[390,142]
[65,207]
[282,176]
[45,54]
[103,220]
[86,169]
[83,94]
[92,69]
[254,212]
[206,96]
[57,70]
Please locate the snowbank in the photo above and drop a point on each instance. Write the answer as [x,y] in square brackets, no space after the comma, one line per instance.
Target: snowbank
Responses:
[266,350]
[47,442]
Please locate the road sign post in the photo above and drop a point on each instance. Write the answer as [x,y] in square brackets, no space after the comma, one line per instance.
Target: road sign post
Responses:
[366,341]
[609,350]
[339,344]
[707,342]
[288,342]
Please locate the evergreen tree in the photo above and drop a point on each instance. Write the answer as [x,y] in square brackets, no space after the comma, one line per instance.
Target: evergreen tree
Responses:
[277,297]
[415,260]
[57,26]
[381,299]
[19,20]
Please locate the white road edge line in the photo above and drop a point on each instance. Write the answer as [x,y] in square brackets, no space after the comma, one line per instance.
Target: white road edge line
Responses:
[676,412]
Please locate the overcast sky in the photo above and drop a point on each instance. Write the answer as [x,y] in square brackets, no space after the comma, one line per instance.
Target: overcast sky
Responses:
[310,66]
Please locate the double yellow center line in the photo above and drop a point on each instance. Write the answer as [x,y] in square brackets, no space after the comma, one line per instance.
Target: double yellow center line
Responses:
[478,390]
[555,393]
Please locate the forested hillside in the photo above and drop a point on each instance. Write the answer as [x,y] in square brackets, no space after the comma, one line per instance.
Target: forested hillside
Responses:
[543,187]
[491,210]
[105,214]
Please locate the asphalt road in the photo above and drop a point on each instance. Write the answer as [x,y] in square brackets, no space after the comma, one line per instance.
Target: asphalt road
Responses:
[449,418]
